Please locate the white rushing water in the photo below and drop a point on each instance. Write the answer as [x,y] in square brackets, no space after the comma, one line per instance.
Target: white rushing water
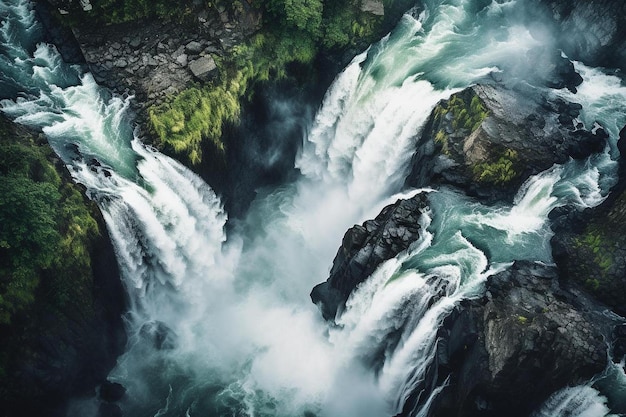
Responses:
[224,326]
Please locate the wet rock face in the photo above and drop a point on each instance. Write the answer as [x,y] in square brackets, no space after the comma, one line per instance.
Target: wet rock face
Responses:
[365,247]
[525,339]
[488,140]
[593,31]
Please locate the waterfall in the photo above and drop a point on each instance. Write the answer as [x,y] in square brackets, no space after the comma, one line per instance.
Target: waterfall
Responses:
[223,325]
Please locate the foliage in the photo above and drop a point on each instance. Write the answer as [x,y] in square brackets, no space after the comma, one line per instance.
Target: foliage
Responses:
[46,227]
[343,25]
[442,139]
[303,15]
[468,116]
[192,115]
[121,11]
[500,171]
[294,31]
[595,241]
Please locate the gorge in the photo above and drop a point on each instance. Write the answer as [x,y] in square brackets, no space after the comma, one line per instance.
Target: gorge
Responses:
[476,147]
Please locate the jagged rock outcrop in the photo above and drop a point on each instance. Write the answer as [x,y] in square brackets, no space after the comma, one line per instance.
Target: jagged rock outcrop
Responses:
[488,140]
[593,31]
[525,339]
[365,247]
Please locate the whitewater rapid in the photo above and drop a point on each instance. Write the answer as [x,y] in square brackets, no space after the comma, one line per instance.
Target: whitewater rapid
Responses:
[223,325]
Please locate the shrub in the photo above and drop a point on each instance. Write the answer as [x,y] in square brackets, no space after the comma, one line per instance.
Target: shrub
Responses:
[46,226]
[501,171]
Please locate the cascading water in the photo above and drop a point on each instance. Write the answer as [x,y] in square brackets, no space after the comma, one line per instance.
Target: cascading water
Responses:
[224,326]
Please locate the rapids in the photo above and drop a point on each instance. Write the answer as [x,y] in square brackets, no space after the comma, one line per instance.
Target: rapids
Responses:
[223,325]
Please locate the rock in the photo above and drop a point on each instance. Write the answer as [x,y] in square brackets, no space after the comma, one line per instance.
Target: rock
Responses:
[135,42]
[365,247]
[111,391]
[488,140]
[590,248]
[193,48]
[507,352]
[120,63]
[375,7]
[182,60]
[592,31]
[161,48]
[203,68]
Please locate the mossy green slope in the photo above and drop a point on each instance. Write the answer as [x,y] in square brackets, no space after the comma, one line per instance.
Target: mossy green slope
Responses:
[50,315]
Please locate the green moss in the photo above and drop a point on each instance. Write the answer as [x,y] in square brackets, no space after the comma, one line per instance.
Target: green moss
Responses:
[500,170]
[191,116]
[466,115]
[442,139]
[522,319]
[595,242]
[463,113]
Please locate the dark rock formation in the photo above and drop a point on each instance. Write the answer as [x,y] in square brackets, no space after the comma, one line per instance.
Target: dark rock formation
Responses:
[58,34]
[593,31]
[525,339]
[365,247]
[488,140]
[590,247]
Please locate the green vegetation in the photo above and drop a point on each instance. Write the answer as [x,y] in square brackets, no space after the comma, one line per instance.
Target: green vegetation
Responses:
[595,241]
[464,115]
[294,31]
[522,320]
[194,114]
[121,11]
[499,171]
[46,228]
[459,113]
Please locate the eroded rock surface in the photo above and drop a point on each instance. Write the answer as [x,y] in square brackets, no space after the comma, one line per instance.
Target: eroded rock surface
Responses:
[525,339]
[365,247]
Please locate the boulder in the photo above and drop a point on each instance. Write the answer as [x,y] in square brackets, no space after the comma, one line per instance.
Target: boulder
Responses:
[365,247]
[203,68]
[488,139]
[507,352]
[193,48]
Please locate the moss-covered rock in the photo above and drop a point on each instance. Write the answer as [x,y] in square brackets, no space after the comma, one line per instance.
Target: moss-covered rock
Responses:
[489,139]
[592,252]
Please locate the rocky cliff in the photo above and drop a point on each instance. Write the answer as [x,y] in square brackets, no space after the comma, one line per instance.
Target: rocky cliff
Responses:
[590,247]
[592,31]
[525,339]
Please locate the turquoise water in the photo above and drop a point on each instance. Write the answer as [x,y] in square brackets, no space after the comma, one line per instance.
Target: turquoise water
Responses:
[241,335]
